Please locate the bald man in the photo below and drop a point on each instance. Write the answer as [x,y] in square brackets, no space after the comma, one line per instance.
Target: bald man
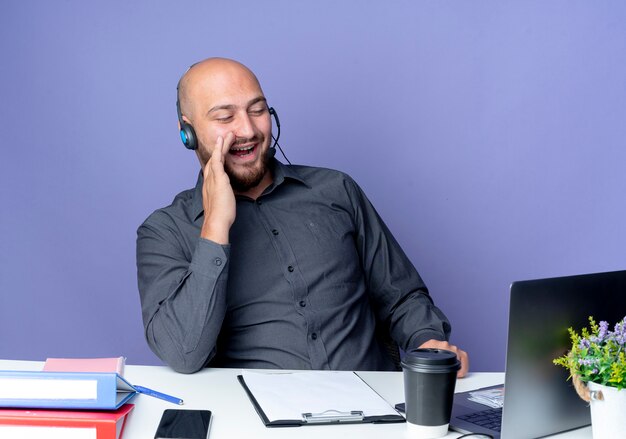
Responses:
[264,265]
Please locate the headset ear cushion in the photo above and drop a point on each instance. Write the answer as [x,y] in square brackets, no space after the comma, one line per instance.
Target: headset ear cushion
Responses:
[188,136]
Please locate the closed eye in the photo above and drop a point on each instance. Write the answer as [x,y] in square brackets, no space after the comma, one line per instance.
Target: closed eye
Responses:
[257,111]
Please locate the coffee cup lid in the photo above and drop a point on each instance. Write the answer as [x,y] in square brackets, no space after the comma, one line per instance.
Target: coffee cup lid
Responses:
[431,360]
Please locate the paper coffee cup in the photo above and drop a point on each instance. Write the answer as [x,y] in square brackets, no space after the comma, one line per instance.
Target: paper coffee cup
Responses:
[429,381]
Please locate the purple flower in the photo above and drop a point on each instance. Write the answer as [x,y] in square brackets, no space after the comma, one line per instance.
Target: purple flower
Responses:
[584,344]
[602,333]
[604,327]
[619,334]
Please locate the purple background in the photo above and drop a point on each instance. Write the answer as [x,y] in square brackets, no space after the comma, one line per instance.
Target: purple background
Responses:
[490,135]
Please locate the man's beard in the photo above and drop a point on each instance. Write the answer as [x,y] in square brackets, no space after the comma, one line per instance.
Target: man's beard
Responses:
[249,177]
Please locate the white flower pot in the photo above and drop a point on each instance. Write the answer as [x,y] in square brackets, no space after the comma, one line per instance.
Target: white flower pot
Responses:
[608,415]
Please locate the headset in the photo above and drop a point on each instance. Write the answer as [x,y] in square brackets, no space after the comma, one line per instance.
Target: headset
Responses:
[187,133]
[190,140]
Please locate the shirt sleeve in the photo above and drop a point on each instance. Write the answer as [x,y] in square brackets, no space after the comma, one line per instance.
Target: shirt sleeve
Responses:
[182,299]
[399,296]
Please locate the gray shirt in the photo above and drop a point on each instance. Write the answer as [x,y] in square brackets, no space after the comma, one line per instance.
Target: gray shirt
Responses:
[311,271]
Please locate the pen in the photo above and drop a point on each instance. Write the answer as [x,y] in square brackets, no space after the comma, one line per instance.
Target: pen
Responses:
[159,395]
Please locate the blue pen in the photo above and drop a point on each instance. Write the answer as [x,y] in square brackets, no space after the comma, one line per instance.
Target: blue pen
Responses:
[159,395]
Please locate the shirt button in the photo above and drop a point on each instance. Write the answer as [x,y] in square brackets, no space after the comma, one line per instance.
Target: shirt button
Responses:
[259,202]
[218,261]
[314,336]
[290,269]
[302,303]
[275,232]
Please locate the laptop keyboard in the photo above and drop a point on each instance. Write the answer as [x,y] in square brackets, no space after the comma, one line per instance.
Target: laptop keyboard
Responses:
[490,418]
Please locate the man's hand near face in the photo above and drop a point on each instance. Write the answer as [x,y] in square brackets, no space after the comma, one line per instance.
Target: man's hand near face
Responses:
[218,198]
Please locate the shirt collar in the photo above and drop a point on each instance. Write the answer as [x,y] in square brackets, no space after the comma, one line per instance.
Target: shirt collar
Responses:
[282,174]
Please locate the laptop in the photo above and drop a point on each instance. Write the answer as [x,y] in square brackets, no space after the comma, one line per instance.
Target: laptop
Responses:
[538,399]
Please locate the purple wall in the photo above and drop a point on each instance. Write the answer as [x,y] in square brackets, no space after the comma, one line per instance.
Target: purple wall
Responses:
[490,136]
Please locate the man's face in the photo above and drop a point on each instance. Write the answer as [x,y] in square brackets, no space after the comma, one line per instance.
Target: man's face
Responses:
[231,100]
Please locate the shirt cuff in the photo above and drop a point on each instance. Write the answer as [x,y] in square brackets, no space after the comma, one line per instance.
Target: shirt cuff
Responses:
[422,337]
[210,258]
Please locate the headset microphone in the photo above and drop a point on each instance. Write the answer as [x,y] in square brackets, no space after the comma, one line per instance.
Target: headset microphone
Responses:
[272,151]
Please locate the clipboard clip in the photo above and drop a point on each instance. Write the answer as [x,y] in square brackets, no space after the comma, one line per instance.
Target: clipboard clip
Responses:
[329,416]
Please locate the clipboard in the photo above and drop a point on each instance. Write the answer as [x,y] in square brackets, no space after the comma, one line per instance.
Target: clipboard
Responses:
[293,399]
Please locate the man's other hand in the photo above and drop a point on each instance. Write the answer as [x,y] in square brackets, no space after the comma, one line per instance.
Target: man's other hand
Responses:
[460,354]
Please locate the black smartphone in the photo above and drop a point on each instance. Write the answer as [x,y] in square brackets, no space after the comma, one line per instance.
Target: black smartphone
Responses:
[184,424]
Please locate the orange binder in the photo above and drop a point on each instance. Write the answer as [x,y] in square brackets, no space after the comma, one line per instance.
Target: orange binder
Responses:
[60,424]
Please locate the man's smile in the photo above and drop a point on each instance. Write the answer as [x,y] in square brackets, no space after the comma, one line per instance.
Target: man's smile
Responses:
[242,150]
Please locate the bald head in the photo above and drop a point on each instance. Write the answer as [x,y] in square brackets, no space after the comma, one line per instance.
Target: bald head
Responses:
[207,78]
[222,99]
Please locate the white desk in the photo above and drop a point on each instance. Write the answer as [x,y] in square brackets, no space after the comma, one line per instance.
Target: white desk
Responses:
[234,417]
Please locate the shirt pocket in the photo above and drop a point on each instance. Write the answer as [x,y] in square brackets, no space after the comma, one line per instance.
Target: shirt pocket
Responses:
[330,232]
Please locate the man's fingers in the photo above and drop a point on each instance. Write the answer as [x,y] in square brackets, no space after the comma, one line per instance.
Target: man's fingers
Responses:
[228,142]
[460,354]
[218,156]
[464,359]
[222,147]
[216,161]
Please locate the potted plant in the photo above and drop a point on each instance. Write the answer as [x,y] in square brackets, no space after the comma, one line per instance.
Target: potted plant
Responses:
[597,365]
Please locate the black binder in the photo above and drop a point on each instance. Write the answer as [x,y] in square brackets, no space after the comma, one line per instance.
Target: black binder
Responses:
[327,416]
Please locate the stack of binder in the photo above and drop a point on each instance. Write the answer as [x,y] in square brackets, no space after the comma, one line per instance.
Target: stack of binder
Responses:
[76,405]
